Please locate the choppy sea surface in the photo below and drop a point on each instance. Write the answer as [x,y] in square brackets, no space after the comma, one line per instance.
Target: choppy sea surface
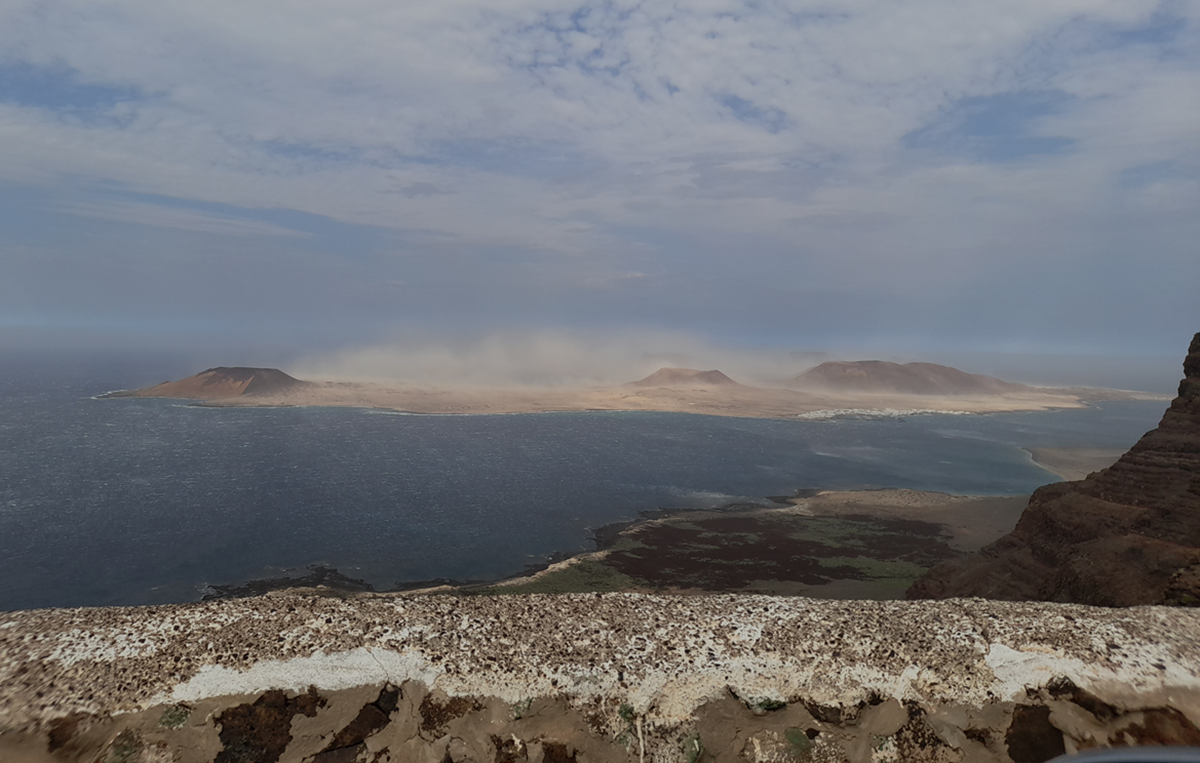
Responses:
[139,501]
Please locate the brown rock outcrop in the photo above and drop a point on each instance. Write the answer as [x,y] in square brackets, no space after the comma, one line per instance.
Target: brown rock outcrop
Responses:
[881,376]
[668,377]
[1124,536]
[221,383]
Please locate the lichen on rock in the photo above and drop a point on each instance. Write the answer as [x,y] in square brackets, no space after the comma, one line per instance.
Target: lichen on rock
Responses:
[585,677]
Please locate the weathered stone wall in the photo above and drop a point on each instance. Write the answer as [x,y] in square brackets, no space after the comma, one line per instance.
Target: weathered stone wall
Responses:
[614,677]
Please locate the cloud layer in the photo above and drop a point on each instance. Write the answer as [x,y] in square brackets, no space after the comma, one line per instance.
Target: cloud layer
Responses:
[957,172]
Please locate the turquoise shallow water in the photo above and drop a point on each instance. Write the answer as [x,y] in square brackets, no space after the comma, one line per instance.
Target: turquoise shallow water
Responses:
[128,501]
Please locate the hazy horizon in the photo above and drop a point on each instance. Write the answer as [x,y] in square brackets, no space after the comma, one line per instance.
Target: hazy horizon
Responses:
[565,359]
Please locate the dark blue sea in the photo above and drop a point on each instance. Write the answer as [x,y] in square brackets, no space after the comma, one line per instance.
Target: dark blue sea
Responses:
[139,501]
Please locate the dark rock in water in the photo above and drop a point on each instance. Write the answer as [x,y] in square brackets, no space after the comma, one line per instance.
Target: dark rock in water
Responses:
[606,536]
[319,576]
[1124,536]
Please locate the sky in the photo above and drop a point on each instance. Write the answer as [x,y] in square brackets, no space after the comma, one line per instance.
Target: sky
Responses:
[334,176]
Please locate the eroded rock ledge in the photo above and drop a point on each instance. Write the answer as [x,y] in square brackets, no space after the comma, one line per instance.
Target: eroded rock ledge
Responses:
[613,677]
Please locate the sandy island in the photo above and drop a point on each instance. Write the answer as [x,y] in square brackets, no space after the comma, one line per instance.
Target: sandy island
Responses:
[722,400]
[868,387]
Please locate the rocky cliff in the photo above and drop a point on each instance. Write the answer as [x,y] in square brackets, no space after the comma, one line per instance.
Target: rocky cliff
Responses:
[1127,535]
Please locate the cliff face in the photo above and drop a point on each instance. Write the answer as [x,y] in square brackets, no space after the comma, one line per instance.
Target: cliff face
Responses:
[1127,535]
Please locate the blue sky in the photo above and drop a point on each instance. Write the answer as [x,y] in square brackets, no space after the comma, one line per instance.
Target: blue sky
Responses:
[935,176]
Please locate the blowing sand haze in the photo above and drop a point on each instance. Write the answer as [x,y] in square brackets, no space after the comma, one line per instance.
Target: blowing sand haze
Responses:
[679,390]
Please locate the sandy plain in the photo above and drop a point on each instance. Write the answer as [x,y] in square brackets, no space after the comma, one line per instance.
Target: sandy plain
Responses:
[717,400]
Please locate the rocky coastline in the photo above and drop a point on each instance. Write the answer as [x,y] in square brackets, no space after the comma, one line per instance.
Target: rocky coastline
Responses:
[1122,536]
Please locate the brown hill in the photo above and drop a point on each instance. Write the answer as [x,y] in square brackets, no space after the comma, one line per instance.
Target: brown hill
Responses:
[1127,535]
[222,382]
[673,377]
[881,376]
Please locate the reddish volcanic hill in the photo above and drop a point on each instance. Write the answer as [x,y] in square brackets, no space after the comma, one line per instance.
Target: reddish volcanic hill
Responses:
[222,382]
[1127,535]
[881,376]
[674,377]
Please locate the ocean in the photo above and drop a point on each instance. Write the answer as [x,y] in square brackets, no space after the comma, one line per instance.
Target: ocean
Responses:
[143,501]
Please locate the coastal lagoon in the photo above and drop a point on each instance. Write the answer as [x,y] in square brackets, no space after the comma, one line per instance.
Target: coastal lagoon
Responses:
[141,501]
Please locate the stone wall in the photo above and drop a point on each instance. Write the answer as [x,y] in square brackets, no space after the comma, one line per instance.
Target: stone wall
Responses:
[613,677]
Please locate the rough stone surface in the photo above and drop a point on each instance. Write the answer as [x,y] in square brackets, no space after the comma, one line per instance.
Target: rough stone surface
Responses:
[1127,535]
[612,677]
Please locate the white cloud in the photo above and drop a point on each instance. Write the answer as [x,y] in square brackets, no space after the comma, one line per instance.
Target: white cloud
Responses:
[645,86]
[622,138]
[143,213]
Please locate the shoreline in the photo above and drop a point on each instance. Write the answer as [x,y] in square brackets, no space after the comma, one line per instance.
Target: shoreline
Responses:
[861,571]
[858,544]
[1072,464]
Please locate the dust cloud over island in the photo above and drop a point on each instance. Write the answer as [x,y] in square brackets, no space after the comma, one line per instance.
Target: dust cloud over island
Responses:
[830,386]
[719,326]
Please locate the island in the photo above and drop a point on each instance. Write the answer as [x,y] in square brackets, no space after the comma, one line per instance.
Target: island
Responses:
[832,386]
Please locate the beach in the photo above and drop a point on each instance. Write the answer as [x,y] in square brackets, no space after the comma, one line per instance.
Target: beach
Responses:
[1074,463]
[862,544]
